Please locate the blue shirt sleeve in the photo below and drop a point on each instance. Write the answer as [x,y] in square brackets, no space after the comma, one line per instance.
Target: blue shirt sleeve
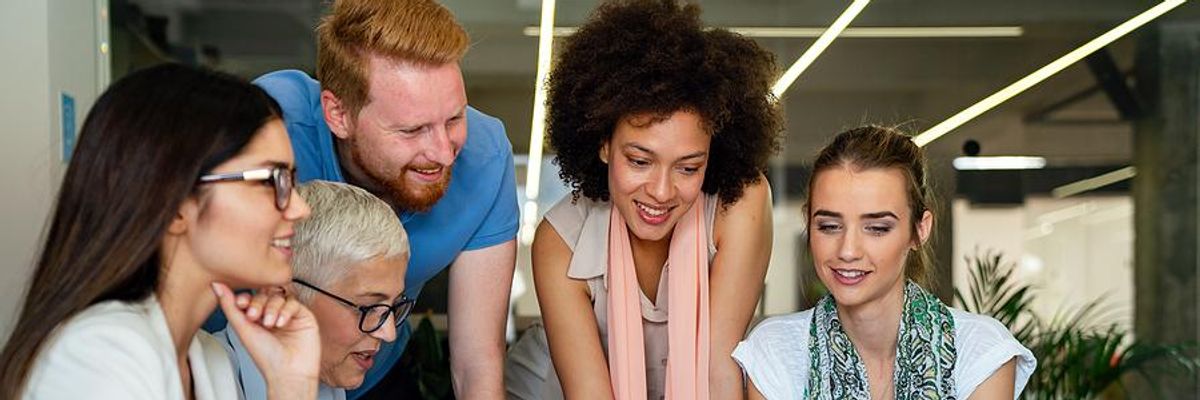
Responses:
[502,220]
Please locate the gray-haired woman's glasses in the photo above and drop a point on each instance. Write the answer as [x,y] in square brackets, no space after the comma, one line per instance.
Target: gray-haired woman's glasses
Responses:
[371,317]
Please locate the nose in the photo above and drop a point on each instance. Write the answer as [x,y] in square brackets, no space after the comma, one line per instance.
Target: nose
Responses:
[850,249]
[439,147]
[661,187]
[297,208]
[387,332]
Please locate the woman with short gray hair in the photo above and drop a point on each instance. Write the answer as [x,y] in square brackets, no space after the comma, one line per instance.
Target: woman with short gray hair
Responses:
[348,268]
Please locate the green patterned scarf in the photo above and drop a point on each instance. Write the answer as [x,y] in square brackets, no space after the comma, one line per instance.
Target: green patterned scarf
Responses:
[925,352]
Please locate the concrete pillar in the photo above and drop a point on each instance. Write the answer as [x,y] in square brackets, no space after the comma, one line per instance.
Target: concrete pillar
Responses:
[1166,146]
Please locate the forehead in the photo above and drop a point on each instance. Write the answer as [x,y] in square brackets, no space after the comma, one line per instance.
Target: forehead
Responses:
[853,192]
[415,91]
[681,132]
[377,275]
[270,143]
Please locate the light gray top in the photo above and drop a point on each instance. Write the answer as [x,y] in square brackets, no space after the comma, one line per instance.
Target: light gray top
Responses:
[583,225]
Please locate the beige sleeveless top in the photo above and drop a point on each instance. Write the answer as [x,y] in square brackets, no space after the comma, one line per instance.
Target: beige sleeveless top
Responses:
[583,225]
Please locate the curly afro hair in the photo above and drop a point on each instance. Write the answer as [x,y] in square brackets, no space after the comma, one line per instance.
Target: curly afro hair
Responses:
[639,57]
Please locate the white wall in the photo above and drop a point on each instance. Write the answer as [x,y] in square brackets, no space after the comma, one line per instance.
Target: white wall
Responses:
[1072,250]
[49,47]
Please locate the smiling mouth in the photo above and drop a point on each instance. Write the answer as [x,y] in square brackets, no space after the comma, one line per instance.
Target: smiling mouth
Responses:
[652,215]
[282,242]
[652,211]
[849,277]
[364,358]
[850,273]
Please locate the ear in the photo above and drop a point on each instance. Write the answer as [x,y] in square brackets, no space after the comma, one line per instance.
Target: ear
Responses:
[183,217]
[604,152]
[924,227]
[337,116]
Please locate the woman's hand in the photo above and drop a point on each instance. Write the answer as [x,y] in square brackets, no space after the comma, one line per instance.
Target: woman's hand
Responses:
[281,336]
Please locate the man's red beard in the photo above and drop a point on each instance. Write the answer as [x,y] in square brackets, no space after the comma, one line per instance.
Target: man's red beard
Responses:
[402,192]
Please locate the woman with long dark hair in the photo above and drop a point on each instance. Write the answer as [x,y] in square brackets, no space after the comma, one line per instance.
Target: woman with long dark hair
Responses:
[180,188]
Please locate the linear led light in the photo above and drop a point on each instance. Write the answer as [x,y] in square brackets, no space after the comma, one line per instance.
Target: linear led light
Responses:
[818,47]
[998,163]
[874,32]
[1044,72]
[533,172]
[1094,183]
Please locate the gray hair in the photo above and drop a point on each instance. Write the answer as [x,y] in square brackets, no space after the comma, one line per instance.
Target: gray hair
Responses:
[348,226]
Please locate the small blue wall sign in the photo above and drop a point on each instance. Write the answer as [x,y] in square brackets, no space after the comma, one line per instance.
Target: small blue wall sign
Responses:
[67,106]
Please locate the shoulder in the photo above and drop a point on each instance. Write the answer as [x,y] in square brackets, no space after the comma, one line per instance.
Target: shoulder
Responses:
[116,324]
[983,345]
[111,344]
[749,216]
[294,90]
[567,217]
[486,137]
[791,328]
[775,355]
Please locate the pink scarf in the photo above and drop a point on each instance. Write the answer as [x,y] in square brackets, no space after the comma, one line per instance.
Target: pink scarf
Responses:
[687,310]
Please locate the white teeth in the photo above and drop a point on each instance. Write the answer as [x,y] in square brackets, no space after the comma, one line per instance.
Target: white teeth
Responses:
[427,171]
[851,274]
[654,212]
[285,242]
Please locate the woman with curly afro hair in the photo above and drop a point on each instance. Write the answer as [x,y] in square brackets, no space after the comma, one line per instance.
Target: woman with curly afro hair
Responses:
[663,129]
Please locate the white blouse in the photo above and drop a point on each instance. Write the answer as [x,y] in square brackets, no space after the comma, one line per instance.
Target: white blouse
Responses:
[124,350]
[775,355]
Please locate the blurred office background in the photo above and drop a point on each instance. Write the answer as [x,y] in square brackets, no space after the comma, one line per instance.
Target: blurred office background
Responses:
[1102,206]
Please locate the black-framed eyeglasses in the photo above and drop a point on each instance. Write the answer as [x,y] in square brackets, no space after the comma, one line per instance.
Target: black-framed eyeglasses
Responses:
[281,177]
[371,317]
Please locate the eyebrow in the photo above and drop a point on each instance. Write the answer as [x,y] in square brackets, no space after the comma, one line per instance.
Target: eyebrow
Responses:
[275,163]
[874,215]
[380,296]
[638,147]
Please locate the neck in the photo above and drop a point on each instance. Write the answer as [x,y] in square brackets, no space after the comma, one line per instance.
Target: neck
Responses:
[185,295]
[649,253]
[874,327]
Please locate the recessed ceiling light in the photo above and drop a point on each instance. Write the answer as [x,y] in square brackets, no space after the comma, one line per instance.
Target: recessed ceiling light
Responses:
[998,163]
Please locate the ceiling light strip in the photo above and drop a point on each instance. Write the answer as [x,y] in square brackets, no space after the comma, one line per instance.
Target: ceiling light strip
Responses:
[1044,72]
[873,32]
[1094,183]
[818,47]
[538,125]
[533,171]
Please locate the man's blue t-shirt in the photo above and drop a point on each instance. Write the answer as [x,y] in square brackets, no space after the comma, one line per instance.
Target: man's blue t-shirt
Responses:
[479,208]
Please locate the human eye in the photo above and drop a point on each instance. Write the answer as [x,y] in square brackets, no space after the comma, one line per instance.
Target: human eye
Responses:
[412,131]
[879,229]
[638,162]
[828,227]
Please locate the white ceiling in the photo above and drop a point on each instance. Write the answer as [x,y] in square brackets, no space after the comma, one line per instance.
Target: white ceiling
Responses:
[916,82]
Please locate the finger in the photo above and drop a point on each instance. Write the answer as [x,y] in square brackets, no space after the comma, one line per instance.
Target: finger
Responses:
[272,308]
[243,300]
[228,305]
[288,312]
[255,310]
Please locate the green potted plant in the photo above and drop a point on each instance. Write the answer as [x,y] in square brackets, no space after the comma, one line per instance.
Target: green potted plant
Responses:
[1082,352]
